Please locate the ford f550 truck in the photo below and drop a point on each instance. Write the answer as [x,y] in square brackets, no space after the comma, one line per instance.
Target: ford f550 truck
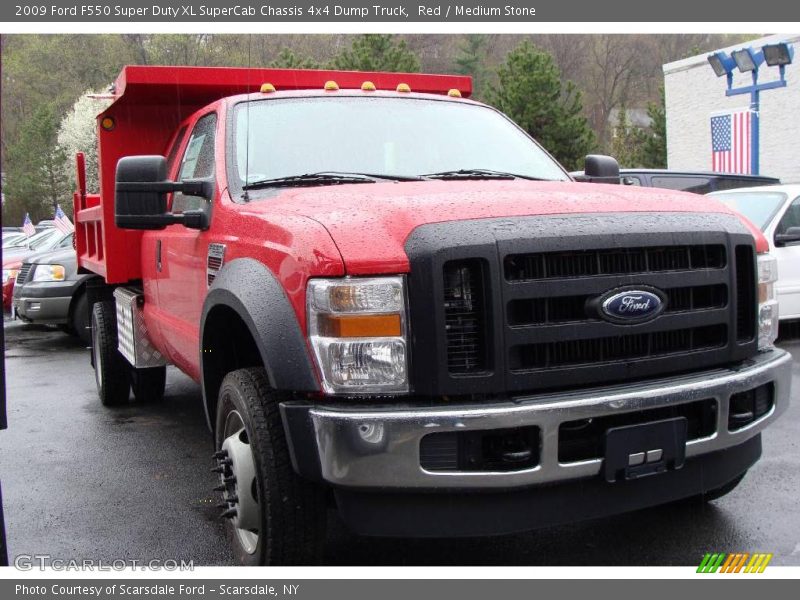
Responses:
[398,305]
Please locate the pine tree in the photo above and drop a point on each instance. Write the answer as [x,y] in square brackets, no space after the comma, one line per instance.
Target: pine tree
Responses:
[531,92]
[289,59]
[627,141]
[471,61]
[654,145]
[377,52]
[36,180]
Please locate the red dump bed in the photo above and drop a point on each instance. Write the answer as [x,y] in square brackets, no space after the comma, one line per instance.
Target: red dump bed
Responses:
[149,104]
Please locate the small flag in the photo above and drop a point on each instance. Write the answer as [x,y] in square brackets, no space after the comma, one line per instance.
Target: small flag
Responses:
[63,223]
[731,136]
[27,227]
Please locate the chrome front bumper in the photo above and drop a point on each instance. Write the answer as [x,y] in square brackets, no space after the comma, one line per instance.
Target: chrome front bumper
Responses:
[379,447]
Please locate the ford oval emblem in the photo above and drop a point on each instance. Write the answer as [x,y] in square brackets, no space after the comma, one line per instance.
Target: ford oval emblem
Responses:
[632,305]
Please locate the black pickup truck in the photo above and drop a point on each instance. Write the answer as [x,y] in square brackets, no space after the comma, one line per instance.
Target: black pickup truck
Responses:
[696,182]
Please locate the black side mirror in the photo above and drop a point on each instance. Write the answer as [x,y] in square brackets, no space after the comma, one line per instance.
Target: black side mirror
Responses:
[598,168]
[141,195]
[790,236]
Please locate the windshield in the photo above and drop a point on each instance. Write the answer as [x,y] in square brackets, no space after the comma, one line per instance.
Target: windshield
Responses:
[378,135]
[39,240]
[759,207]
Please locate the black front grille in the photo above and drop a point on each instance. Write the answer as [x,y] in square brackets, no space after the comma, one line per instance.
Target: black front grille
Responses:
[613,261]
[514,306]
[24,272]
[566,309]
[465,316]
[597,351]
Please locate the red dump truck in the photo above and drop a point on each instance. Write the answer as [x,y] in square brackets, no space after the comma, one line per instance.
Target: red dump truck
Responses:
[399,306]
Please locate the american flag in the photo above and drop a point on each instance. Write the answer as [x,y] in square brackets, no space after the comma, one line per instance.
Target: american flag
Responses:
[63,223]
[731,134]
[27,227]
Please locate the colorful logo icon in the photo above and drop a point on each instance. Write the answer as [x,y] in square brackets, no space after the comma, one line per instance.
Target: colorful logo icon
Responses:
[739,562]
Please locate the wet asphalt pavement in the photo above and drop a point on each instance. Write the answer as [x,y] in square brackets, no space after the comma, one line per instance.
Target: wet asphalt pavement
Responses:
[82,481]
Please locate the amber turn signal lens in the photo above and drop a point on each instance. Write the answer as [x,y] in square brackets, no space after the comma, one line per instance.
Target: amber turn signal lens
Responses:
[360,326]
[107,123]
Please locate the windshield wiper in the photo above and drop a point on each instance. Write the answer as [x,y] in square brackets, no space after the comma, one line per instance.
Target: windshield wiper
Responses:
[479,174]
[387,176]
[326,178]
[309,179]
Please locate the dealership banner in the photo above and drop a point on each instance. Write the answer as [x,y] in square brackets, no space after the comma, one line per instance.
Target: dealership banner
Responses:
[412,11]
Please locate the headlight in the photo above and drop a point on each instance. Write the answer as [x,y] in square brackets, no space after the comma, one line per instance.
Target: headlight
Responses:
[767,302]
[9,274]
[357,329]
[49,273]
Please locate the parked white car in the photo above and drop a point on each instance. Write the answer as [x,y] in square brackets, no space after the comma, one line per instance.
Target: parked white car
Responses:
[775,210]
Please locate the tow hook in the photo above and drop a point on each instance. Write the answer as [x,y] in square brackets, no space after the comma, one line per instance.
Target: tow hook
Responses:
[224,468]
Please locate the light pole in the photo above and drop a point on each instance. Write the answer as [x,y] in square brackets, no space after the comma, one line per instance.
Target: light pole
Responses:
[749,60]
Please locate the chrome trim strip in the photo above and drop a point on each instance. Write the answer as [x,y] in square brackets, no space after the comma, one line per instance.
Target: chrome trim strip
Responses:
[379,448]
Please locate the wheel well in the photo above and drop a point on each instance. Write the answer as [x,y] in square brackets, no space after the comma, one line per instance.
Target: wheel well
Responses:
[83,288]
[228,345]
[73,301]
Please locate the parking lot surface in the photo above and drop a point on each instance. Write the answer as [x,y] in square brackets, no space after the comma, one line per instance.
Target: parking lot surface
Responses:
[81,481]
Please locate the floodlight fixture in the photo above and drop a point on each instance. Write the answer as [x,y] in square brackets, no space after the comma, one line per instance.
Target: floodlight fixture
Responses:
[778,55]
[747,59]
[721,63]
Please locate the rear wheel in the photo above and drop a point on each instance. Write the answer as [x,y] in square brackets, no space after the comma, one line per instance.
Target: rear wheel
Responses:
[110,367]
[274,516]
[148,384]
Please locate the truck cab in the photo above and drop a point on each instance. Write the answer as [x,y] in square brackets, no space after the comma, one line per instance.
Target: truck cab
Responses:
[399,306]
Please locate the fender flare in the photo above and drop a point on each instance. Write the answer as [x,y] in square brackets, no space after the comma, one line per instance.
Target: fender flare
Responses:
[253,292]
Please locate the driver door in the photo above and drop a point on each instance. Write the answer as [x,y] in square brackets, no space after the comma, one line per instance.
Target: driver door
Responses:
[181,254]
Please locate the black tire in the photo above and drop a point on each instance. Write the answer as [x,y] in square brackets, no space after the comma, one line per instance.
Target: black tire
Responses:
[292,510]
[722,490]
[80,323]
[110,367]
[148,384]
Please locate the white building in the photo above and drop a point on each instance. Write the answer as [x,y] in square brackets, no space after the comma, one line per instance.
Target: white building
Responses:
[694,93]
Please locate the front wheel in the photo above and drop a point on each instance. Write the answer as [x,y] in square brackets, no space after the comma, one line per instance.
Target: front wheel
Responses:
[274,517]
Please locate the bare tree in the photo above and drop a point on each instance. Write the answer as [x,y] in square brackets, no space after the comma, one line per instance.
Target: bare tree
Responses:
[614,76]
